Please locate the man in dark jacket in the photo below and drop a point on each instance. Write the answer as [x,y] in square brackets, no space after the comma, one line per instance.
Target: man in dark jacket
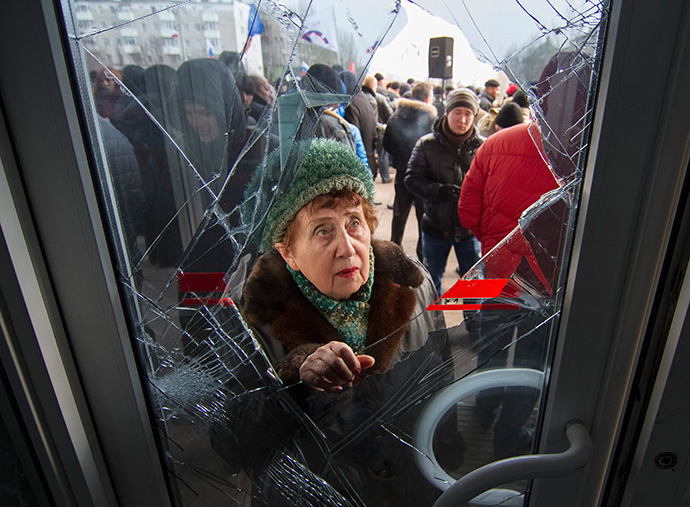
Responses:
[492,89]
[435,173]
[412,119]
[438,101]
[362,113]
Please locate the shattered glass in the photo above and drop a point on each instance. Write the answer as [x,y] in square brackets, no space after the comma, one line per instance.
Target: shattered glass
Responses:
[182,168]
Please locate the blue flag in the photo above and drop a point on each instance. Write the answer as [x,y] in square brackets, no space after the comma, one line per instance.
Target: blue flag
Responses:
[255,26]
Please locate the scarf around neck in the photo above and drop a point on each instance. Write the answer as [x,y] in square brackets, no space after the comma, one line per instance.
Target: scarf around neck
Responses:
[350,317]
[454,139]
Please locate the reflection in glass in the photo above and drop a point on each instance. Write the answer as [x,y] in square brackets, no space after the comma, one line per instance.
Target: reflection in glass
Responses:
[200,112]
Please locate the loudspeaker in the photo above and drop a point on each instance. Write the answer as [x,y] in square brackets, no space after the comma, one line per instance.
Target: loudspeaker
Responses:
[441,57]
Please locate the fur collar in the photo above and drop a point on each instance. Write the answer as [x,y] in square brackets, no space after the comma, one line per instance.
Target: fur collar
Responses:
[416,104]
[271,300]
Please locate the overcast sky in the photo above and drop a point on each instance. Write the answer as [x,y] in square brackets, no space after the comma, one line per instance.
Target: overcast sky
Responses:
[485,32]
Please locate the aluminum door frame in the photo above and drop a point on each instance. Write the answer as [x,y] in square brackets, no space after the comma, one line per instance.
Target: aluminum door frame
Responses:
[635,172]
[636,167]
[96,428]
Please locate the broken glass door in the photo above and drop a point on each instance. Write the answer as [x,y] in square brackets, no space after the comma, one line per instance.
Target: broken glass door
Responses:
[186,103]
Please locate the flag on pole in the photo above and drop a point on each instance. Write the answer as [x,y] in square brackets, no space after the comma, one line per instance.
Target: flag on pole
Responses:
[373,48]
[305,67]
[255,25]
[209,46]
[319,28]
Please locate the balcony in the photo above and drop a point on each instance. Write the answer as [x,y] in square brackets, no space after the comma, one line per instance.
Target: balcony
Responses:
[132,49]
[84,15]
[209,17]
[172,50]
[212,34]
[128,31]
[169,33]
[166,16]
[124,16]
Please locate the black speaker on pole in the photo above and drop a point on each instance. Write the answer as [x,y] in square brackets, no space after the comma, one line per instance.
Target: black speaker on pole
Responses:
[441,57]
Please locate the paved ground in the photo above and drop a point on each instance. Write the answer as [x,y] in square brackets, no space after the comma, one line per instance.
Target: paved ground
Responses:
[385,193]
[478,439]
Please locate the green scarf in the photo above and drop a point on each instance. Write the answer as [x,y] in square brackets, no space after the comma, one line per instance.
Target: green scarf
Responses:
[350,317]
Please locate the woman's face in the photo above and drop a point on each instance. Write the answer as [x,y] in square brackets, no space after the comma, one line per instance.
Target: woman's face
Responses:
[203,121]
[330,248]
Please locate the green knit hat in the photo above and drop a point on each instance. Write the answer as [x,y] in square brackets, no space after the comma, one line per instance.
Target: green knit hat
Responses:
[327,166]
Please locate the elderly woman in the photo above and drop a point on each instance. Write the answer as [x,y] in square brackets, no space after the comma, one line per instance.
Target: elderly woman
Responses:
[324,288]
[342,317]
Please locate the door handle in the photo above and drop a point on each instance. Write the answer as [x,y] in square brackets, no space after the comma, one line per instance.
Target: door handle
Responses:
[535,466]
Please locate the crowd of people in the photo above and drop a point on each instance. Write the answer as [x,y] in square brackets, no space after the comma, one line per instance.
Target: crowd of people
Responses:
[470,161]
[185,130]
[199,103]
[333,306]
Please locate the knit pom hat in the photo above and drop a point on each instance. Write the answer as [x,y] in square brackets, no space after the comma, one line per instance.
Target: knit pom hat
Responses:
[328,165]
[462,97]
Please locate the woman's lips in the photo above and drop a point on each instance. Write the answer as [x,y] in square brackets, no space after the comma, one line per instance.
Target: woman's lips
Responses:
[348,273]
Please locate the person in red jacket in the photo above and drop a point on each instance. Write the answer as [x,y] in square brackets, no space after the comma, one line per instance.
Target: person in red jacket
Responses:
[508,174]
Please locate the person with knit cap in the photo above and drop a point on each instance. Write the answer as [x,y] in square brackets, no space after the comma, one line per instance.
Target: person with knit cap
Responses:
[342,316]
[435,172]
[320,262]
[510,114]
[520,99]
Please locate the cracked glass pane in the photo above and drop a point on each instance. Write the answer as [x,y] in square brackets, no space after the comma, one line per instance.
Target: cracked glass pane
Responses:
[200,115]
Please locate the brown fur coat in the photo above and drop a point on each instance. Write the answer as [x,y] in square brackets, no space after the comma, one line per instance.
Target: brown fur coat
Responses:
[272,301]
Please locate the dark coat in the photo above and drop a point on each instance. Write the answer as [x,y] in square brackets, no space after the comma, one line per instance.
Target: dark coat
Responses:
[439,105]
[255,110]
[383,107]
[332,126]
[433,163]
[124,171]
[412,119]
[414,355]
[361,114]
[273,305]
[486,100]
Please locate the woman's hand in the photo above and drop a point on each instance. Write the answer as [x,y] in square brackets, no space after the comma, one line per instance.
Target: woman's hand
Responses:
[333,365]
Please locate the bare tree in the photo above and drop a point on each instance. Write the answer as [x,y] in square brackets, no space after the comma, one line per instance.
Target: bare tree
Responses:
[352,49]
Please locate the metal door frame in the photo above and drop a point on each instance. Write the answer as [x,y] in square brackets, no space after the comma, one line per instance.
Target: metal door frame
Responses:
[636,168]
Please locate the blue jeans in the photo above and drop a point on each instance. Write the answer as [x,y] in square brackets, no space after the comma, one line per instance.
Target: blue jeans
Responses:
[436,256]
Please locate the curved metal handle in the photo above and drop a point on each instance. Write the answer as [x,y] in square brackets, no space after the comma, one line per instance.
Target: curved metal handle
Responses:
[449,397]
[522,467]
